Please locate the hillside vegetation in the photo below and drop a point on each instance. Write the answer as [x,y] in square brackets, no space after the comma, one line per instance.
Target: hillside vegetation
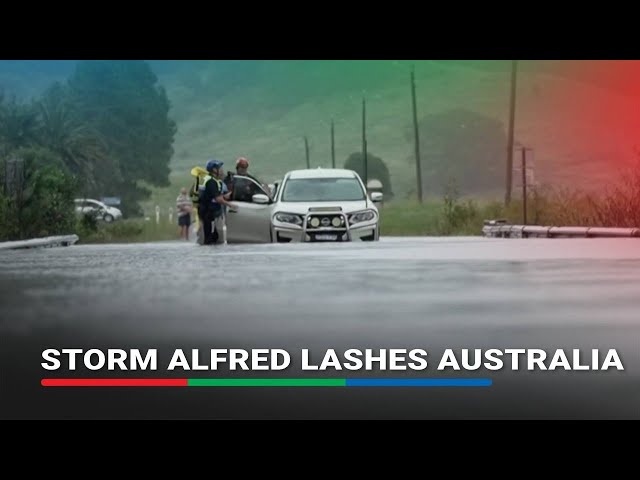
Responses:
[262,110]
[577,116]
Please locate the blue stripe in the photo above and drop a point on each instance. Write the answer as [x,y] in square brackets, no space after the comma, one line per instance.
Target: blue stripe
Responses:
[419,382]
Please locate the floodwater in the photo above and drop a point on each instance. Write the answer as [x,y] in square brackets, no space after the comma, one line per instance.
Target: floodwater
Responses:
[429,293]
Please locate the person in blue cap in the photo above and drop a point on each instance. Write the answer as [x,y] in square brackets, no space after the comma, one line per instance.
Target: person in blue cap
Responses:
[212,201]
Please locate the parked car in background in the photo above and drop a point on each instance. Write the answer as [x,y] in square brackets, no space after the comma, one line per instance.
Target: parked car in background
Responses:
[97,208]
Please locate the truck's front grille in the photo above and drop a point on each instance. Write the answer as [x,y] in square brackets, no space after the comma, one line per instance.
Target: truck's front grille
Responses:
[326,221]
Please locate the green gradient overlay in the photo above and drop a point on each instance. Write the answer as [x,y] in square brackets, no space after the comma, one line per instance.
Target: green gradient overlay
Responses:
[266,382]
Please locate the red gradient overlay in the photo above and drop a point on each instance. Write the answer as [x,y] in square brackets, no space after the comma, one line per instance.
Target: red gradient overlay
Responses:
[582,117]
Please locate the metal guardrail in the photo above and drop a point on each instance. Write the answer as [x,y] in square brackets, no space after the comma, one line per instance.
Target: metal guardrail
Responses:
[46,242]
[500,229]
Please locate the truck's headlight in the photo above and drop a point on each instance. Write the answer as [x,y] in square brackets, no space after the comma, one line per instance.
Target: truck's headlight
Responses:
[289,218]
[362,216]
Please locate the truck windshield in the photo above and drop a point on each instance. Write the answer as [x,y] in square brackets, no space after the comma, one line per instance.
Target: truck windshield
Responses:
[322,190]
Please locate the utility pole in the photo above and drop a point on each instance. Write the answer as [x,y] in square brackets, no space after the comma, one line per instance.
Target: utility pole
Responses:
[416,135]
[333,146]
[364,142]
[306,151]
[512,116]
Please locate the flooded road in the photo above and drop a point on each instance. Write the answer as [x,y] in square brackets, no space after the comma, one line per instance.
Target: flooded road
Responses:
[430,293]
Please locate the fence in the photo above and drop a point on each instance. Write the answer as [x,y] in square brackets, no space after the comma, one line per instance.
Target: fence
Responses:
[59,241]
[498,228]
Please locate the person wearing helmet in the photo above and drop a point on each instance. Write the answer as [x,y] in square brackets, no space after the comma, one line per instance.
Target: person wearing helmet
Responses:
[212,201]
[242,166]
[242,169]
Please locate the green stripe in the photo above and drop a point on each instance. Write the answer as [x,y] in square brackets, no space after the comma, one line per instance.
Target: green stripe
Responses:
[266,382]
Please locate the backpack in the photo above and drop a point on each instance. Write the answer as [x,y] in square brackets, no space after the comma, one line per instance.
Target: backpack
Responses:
[195,192]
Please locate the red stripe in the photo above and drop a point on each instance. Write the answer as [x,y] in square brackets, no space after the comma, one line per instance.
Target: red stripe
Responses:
[114,382]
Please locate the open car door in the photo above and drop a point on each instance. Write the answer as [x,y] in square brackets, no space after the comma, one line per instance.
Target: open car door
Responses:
[252,222]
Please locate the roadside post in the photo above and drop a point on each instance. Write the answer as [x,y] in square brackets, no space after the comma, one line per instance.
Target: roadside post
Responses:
[526,174]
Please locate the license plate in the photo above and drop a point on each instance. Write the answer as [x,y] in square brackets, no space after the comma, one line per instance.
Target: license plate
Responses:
[327,237]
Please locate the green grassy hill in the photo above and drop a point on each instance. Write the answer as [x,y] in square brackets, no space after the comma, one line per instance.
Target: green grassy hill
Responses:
[262,110]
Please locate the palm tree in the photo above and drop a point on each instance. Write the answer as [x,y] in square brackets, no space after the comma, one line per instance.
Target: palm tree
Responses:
[2,123]
[18,125]
[81,148]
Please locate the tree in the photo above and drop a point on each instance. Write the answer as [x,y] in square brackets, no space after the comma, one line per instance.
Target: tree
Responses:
[43,203]
[82,149]
[376,169]
[40,202]
[18,125]
[122,101]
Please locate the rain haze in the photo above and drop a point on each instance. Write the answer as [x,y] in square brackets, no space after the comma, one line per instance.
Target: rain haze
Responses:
[130,133]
